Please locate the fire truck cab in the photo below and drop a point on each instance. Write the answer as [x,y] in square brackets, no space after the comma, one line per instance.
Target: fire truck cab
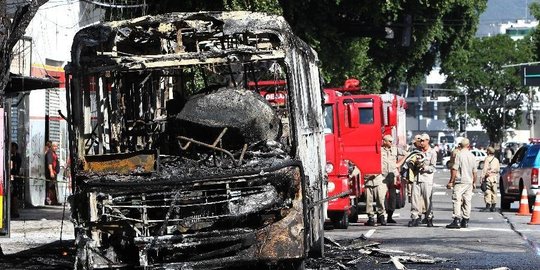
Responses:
[354,127]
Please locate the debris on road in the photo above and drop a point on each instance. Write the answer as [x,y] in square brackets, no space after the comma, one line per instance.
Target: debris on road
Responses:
[349,253]
[55,255]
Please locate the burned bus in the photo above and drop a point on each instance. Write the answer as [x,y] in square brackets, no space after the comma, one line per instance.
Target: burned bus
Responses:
[176,161]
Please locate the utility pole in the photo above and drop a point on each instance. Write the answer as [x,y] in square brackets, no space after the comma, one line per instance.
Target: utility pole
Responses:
[466,113]
[504,116]
[531,112]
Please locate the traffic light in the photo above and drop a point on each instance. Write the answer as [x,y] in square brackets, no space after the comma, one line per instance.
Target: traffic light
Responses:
[462,124]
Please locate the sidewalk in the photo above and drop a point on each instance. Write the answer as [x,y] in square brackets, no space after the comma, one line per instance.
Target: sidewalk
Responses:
[36,227]
[529,233]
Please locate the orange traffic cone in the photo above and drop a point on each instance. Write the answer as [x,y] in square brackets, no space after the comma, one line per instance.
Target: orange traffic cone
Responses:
[524,204]
[535,219]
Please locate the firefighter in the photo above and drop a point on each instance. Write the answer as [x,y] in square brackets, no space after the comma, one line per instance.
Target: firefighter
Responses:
[462,182]
[392,158]
[376,188]
[453,157]
[490,174]
[375,192]
[416,146]
[422,188]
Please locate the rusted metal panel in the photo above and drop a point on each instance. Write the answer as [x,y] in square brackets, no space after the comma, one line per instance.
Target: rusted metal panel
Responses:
[124,163]
[285,238]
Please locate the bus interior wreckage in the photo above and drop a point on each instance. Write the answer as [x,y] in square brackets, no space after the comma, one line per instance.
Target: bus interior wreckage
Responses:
[176,161]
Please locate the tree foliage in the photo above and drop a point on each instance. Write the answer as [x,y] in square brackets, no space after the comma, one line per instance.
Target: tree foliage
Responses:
[349,35]
[494,93]
[535,11]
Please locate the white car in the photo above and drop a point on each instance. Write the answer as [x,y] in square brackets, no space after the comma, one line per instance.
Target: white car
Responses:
[480,156]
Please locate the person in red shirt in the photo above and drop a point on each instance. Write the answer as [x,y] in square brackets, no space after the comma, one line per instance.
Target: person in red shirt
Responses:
[51,172]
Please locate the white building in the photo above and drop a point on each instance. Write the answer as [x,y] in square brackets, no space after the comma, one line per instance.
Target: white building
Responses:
[518,29]
[34,115]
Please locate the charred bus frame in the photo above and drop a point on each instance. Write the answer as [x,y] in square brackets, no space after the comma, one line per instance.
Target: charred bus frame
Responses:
[176,162]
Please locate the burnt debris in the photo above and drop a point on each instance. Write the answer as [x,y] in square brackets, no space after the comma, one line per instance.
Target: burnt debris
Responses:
[361,253]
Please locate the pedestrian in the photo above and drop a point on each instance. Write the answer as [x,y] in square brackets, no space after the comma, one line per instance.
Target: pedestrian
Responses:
[52,169]
[17,185]
[392,158]
[422,188]
[462,182]
[47,146]
[490,174]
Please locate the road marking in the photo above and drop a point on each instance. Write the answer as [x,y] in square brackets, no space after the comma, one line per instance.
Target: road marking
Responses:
[485,229]
[439,193]
[369,233]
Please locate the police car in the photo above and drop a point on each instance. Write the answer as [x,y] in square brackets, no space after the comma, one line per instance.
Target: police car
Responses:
[521,173]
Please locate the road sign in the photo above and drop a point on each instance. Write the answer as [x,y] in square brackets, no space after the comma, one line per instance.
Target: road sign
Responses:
[530,75]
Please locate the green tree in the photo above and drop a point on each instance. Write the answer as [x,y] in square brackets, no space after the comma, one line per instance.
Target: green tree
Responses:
[535,11]
[350,35]
[494,93]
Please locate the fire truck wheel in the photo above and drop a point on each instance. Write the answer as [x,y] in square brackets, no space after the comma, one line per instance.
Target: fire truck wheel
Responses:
[340,220]
[353,216]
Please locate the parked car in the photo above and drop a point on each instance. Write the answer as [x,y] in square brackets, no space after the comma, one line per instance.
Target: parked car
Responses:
[480,156]
[522,172]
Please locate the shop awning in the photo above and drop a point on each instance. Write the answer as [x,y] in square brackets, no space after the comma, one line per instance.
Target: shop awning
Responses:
[20,83]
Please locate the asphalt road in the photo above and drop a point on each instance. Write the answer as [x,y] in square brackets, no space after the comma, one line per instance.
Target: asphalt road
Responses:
[498,240]
[493,239]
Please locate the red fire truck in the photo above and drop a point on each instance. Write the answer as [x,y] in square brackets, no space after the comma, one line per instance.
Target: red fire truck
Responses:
[354,126]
